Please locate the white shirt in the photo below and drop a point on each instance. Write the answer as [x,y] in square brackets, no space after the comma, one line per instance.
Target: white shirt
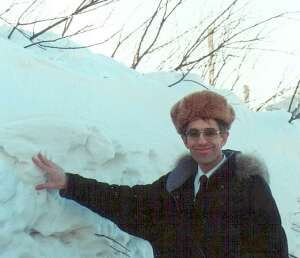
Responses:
[208,174]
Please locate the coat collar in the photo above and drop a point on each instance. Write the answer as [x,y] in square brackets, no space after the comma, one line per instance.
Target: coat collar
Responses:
[186,167]
[245,165]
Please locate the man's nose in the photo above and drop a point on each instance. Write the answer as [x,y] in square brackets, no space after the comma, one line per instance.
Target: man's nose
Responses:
[201,138]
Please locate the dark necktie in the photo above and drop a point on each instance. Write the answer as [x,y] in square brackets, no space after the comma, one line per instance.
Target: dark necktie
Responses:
[203,184]
[201,206]
[200,196]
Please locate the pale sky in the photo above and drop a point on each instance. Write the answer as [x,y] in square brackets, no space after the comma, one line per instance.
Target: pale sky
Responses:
[275,66]
[270,66]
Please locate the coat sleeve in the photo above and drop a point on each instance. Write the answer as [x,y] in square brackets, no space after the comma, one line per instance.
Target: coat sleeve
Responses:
[133,209]
[267,236]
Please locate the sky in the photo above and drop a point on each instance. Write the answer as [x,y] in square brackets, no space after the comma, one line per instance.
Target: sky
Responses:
[95,117]
[266,69]
[276,66]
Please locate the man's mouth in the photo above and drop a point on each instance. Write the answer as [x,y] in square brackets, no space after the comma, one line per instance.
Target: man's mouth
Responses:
[203,151]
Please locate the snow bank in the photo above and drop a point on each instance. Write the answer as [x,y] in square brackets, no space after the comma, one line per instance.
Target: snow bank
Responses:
[98,118]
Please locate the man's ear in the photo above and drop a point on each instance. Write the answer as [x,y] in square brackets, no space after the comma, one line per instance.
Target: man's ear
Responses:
[225,136]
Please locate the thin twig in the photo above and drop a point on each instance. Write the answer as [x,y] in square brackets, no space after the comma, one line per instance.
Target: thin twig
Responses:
[113,240]
[20,17]
[294,94]
[80,47]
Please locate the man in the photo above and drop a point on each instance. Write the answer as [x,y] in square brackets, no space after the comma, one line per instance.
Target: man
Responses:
[214,203]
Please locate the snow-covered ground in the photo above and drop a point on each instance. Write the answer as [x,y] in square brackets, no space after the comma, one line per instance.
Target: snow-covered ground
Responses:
[94,116]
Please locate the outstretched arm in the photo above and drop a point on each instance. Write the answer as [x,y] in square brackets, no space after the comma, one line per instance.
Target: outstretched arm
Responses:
[134,209]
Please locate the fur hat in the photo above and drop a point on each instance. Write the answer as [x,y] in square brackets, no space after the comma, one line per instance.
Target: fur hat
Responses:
[205,104]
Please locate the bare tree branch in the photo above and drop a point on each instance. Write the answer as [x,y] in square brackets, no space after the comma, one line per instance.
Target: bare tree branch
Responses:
[126,250]
[121,41]
[83,30]
[201,36]
[82,7]
[40,21]
[225,42]
[9,8]
[211,63]
[238,69]
[293,96]
[80,47]
[20,17]
[21,31]
[138,55]
[224,63]
[183,76]
[276,94]
[296,112]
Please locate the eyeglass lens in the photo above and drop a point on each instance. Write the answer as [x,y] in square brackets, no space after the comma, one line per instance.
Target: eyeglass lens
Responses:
[206,132]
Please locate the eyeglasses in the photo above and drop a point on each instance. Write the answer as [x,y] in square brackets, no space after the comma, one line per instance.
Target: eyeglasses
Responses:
[207,133]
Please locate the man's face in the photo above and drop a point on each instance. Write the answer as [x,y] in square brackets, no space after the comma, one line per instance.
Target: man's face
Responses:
[205,141]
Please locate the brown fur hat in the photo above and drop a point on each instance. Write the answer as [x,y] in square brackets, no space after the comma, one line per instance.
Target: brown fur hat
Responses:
[204,104]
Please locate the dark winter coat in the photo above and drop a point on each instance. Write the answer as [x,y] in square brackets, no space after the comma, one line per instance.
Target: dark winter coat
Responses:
[239,218]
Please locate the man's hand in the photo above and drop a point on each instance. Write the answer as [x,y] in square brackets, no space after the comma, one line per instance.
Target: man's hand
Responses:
[56,178]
